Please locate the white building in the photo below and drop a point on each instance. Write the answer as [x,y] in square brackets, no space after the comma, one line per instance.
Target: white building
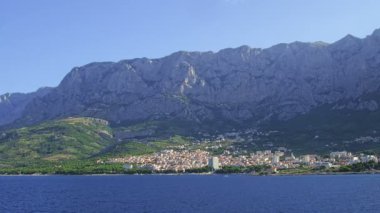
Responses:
[342,154]
[292,156]
[128,166]
[213,163]
[275,159]
[305,158]
[279,153]
[354,160]
[323,164]
[368,158]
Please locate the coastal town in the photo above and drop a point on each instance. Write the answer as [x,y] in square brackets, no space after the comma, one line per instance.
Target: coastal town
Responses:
[235,149]
[183,160]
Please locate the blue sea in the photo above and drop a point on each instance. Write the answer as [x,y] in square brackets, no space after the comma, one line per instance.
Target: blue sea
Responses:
[190,193]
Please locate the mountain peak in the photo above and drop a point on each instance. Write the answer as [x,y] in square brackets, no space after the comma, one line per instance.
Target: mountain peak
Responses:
[347,42]
[376,32]
[349,37]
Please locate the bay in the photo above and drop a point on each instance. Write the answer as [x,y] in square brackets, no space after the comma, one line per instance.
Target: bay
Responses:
[190,193]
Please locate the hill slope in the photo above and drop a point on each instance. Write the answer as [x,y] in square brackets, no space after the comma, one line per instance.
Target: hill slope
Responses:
[70,138]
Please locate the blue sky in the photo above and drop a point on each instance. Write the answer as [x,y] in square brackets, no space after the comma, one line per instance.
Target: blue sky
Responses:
[41,40]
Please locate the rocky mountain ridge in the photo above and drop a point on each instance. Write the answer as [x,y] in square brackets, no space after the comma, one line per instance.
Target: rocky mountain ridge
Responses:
[236,84]
[12,105]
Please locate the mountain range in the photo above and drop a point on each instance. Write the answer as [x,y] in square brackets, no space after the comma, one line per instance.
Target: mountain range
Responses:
[238,86]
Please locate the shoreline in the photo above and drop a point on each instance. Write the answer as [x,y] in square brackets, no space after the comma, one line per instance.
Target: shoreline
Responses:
[202,174]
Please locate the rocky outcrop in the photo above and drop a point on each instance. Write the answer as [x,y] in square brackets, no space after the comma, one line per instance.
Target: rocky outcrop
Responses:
[237,84]
[13,104]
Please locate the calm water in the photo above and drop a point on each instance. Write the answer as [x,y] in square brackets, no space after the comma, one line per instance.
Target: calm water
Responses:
[190,193]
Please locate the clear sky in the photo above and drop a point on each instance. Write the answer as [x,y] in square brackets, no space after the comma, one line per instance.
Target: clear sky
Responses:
[41,40]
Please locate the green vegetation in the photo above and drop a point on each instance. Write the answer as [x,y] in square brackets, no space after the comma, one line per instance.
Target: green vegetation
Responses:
[162,128]
[354,168]
[72,139]
[300,170]
[199,170]
[135,147]
[71,146]
[240,169]
[324,129]
[359,167]
[65,167]
[66,139]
